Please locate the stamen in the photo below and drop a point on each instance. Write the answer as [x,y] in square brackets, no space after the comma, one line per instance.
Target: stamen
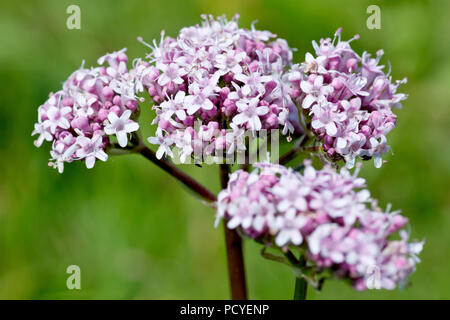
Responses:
[355,37]
[337,35]
[143,42]
[253,25]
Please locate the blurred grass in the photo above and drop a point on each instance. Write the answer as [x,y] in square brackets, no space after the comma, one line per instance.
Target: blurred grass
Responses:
[135,233]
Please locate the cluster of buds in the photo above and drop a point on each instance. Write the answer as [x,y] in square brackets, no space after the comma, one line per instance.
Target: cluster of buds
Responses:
[329,214]
[93,105]
[348,98]
[213,77]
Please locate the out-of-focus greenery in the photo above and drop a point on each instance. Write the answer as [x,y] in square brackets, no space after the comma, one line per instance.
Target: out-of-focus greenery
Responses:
[133,230]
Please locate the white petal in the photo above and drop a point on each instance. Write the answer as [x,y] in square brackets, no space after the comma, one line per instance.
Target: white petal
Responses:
[112,117]
[192,109]
[256,123]
[153,140]
[163,80]
[309,57]
[318,81]
[179,97]
[126,115]
[282,238]
[300,204]
[350,162]
[363,195]
[246,90]
[308,101]
[207,105]
[240,119]
[64,123]
[331,129]
[160,152]
[237,69]
[181,114]
[178,80]
[90,161]
[316,124]
[241,77]
[306,86]
[310,172]
[122,138]
[296,238]
[341,143]
[234,223]
[109,129]
[101,155]
[262,110]
[337,257]
[283,205]
[378,161]
[314,245]
[131,126]
[374,142]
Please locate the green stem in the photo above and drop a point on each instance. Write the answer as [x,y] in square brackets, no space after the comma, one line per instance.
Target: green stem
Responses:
[300,283]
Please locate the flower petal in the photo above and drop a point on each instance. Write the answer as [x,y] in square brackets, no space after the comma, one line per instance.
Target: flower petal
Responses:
[122,138]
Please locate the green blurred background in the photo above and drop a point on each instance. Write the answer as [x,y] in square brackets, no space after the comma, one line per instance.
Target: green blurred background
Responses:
[132,229]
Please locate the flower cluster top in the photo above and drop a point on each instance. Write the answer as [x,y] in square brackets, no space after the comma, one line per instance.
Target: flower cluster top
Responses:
[93,105]
[212,77]
[328,213]
[349,99]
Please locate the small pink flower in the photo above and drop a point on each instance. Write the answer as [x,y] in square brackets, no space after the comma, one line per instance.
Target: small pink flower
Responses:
[90,149]
[121,126]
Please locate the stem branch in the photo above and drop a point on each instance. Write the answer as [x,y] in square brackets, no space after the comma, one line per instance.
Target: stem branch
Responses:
[178,174]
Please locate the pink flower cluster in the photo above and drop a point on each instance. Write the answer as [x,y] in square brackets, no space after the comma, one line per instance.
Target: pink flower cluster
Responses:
[330,214]
[349,99]
[92,105]
[212,77]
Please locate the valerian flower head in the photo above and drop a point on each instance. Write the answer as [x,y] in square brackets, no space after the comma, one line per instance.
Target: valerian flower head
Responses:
[92,106]
[329,214]
[348,99]
[216,76]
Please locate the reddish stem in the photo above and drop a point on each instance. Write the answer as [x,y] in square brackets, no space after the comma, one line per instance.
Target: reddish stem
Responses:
[235,258]
[178,174]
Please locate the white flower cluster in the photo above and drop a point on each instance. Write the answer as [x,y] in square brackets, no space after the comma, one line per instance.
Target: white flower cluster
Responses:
[348,98]
[329,214]
[93,105]
[212,77]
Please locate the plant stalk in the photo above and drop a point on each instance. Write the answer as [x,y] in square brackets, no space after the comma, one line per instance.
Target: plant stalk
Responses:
[233,244]
[178,174]
[301,285]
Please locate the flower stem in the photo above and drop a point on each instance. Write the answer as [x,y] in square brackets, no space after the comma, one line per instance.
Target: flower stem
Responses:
[178,174]
[300,284]
[235,258]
